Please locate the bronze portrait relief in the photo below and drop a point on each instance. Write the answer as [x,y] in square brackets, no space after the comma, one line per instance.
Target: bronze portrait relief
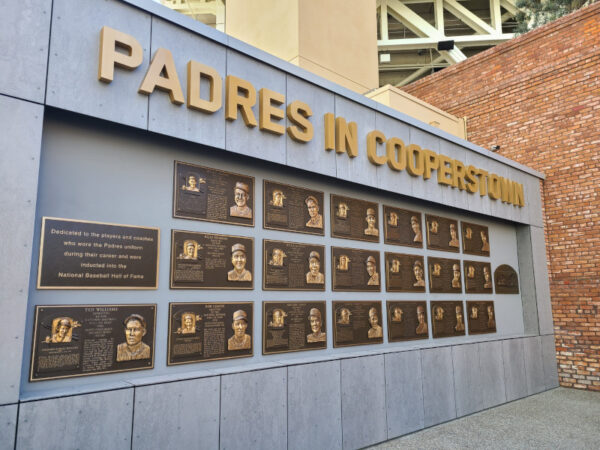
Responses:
[482,317]
[293,266]
[353,218]
[357,323]
[404,273]
[444,275]
[448,318]
[355,270]
[402,227]
[133,347]
[478,277]
[442,233]
[475,239]
[407,320]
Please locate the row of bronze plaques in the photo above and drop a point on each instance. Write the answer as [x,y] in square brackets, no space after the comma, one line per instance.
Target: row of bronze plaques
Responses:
[203,193]
[78,340]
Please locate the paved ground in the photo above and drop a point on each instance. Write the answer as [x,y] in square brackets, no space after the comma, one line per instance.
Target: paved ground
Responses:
[557,419]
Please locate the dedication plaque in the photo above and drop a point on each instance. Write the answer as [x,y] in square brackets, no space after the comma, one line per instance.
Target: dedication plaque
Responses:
[202,193]
[404,273]
[77,254]
[442,233]
[478,277]
[355,270]
[352,218]
[211,261]
[476,239]
[78,340]
[481,317]
[293,266]
[292,208]
[293,326]
[407,321]
[402,227]
[506,280]
[447,319]
[444,275]
[208,331]
[357,323]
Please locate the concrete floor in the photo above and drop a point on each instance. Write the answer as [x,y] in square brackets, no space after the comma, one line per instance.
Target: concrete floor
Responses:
[557,419]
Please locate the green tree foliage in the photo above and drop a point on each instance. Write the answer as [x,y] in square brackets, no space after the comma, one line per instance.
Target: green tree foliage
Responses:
[534,13]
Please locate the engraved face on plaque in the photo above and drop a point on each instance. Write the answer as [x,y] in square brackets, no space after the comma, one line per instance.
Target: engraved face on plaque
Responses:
[203,193]
[293,266]
[447,319]
[210,261]
[402,227]
[354,219]
[355,270]
[506,280]
[444,275]
[404,273]
[478,277]
[78,340]
[442,233]
[292,208]
[481,317]
[357,323]
[407,321]
[475,239]
[293,326]
[209,331]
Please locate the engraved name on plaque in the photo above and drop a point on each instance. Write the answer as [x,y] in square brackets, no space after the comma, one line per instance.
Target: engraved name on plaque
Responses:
[448,319]
[78,340]
[444,275]
[355,270]
[476,239]
[407,321]
[293,266]
[293,326]
[211,261]
[356,219]
[506,280]
[478,277]
[404,273]
[442,233]
[209,331]
[357,323]
[402,227]
[481,317]
[292,208]
[203,193]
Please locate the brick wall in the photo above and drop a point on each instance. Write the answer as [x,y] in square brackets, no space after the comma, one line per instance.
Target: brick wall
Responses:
[538,98]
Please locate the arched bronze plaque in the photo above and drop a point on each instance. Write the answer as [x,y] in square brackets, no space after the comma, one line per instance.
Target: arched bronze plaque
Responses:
[506,280]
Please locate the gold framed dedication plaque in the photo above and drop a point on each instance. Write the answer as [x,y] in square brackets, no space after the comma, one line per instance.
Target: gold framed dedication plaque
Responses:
[407,321]
[293,326]
[211,261]
[355,270]
[481,317]
[404,273]
[293,266]
[78,254]
[447,319]
[79,340]
[292,208]
[476,239]
[444,275]
[357,323]
[478,277]
[209,331]
[213,195]
[356,219]
[442,233]
[506,280]
[402,227]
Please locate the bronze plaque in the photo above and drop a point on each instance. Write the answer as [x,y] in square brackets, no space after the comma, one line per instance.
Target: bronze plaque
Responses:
[208,331]
[77,254]
[481,317]
[447,319]
[352,218]
[79,340]
[506,280]
[211,261]
[357,323]
[407,321]
[478,277]
[355,270]
[444,275]
[293,266]
[292,208]
[293,326]
[442,233]
[476,239]
[404,273]
[202,193]
[402,227]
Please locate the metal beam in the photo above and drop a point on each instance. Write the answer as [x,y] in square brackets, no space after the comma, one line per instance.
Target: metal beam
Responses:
[466,16]
[475,40]
[510,6]
[383,20]
[438,10]
[495,15]
[417,73]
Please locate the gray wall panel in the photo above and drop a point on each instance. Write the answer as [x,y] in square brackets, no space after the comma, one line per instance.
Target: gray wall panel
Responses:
[404,393]
[468,383]
[184,414]
[314,406]
[527,280]
[491,365]
[8,425]
[388,179]
[438,385]
[534,366]
[549,361]
[515,376]
[363,401]
[21,136]
[542,286]
[95,421]
[254,410]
